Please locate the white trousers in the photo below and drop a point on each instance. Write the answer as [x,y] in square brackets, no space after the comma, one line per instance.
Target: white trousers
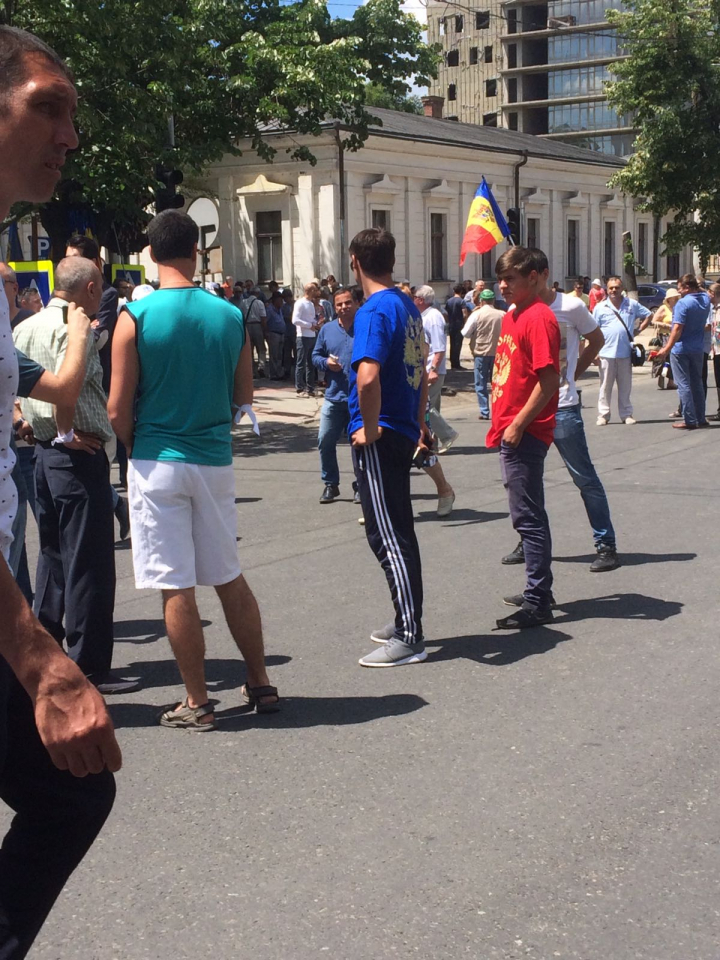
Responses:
[614,371]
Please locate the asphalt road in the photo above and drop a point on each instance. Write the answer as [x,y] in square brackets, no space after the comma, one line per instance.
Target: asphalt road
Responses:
[544,795]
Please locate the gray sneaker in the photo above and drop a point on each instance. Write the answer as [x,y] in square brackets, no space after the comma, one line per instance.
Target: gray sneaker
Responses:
[395,653]
[384,634]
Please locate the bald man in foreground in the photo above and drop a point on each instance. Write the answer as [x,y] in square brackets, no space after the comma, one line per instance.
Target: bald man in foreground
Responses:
[76,570]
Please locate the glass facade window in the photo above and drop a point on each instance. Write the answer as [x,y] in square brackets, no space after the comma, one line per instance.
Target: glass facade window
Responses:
[578,82]
[595,115]
[584,11]
[268,232]
[581,46]
[614,144]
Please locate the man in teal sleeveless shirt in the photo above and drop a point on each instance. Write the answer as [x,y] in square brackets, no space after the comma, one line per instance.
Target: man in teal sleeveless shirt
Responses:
[181,362]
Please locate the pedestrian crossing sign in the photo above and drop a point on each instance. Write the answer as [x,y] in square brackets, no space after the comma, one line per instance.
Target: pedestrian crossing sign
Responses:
[35,273]
[134,272]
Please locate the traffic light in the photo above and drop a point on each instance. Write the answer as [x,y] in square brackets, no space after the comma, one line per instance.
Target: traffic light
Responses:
[166,197]
[513,222]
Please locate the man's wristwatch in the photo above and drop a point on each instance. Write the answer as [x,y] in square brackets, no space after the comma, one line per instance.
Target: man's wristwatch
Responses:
[18,423]
[433,368]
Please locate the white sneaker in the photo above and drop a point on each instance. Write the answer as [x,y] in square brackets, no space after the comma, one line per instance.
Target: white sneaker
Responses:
[445,505]
[601,422]
[446,444]
[629,420]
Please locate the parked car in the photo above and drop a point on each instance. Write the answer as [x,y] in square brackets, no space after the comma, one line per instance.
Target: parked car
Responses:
[651,295]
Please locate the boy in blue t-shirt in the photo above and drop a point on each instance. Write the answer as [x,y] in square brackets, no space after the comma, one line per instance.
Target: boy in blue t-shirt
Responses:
[388,393]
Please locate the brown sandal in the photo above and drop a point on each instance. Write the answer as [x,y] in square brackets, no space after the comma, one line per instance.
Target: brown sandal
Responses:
[184,717]
[254,697]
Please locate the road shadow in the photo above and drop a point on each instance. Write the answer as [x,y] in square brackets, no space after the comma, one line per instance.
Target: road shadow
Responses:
[220,673]
[632,559]
[461,517]
[296,713]
[144,631]
[498,649]
[248,499]
[293,438]
[464,451]
[618,606]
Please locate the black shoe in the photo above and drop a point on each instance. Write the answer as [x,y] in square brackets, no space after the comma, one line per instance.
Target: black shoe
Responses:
[110,683]
[517,556]
[606,560]
[714,417]
[525,617]
[356,497]
[123,517]
[517,600]
[330,493]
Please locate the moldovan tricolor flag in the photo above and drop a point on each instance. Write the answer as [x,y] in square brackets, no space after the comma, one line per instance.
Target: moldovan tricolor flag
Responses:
[486,225]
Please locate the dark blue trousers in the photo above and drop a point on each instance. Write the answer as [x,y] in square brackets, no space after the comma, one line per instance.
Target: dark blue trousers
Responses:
[57,817]
[522,472]
[76,569]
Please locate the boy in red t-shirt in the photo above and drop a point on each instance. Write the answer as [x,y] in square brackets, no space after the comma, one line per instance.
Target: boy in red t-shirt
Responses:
[525,387]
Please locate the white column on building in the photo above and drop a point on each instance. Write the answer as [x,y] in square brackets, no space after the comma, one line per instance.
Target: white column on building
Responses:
[305,234]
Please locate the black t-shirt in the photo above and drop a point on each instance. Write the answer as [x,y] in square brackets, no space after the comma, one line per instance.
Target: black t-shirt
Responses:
[454,308]
[20,316]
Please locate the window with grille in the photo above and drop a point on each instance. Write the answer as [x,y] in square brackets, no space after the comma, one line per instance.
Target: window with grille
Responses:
[572,247]
[438,246]
[268,235]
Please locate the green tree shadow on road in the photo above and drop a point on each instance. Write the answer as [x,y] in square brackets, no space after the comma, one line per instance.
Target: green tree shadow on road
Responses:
[297,712]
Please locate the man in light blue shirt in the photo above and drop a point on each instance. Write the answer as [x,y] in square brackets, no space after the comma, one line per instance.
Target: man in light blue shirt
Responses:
[686,347]
[617,316]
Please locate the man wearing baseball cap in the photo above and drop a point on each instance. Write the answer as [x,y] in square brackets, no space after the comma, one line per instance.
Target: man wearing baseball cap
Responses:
[482,328]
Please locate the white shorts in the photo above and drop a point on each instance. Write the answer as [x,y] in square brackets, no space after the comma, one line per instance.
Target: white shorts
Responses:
[184,524]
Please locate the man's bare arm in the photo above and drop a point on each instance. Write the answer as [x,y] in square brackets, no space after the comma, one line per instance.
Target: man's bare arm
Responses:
[548,384]
[70,714]
[125,374]
[594,343]
[64,386]
[243,384]
[370,402]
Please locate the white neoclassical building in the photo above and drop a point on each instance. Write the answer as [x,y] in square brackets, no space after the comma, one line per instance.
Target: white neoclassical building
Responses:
[416,176]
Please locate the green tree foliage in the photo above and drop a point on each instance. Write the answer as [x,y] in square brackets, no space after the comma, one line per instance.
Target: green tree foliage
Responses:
[377,96]
[225,70]
[671,83]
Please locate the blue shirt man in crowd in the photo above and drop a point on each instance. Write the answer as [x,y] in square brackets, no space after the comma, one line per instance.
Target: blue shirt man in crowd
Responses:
[388,395]
[616,316]
[332,355]
[686,348]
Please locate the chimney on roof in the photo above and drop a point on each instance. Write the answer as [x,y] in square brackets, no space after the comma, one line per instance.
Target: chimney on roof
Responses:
[433,107]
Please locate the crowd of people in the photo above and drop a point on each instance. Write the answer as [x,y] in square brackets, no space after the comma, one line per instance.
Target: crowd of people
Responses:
[112,370]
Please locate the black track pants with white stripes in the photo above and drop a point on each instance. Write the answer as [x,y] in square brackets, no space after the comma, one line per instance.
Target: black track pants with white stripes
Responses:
[382,470]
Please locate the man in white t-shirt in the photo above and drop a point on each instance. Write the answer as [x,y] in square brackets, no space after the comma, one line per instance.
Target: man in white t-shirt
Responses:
[306,317]
[436,339]
[576,321]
